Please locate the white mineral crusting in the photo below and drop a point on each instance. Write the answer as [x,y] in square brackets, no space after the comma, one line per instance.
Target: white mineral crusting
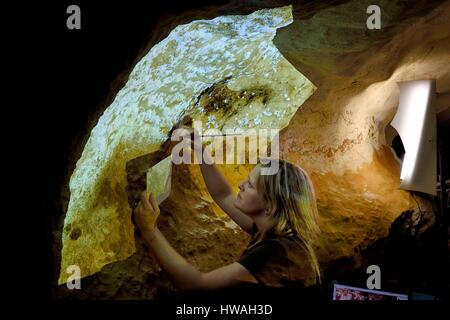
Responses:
[160,89]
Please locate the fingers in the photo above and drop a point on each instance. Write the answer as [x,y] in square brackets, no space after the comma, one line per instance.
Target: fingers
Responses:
[144,200]
[146,212]
[149,203]
[191,133]
[154,203]
[181,133]
[188,131]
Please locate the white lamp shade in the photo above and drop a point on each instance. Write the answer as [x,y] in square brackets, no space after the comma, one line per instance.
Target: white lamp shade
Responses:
[415,122]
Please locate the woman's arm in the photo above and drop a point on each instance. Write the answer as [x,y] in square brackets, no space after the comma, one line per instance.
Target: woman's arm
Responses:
[184,275]
[220,190]
[187,277]
[215,181]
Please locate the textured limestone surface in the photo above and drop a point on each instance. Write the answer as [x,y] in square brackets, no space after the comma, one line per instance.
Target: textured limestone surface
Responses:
[260,89]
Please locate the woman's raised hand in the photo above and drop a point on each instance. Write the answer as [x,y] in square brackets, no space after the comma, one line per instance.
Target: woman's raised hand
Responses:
[147,212]
[191,133]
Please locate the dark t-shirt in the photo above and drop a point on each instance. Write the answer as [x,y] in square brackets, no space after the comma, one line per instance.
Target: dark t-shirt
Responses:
[279,262]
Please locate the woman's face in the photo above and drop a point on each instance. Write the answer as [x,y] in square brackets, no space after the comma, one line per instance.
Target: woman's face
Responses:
[248,199]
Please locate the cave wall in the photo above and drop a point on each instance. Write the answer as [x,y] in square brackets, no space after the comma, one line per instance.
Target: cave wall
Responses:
[337,136]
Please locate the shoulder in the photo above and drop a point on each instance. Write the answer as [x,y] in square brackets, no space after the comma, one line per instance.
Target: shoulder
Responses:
[263,254]
[270,245]
[296,252]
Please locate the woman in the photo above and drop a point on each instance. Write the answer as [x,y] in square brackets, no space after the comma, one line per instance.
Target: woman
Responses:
[280,213]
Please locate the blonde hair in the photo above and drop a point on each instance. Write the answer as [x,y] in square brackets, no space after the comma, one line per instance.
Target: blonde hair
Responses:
[291,191]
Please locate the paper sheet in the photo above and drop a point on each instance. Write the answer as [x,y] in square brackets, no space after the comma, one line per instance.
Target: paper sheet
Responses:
[159,179]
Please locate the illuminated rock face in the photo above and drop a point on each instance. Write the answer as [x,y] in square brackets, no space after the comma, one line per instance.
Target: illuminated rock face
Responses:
[259,89]
[337,136]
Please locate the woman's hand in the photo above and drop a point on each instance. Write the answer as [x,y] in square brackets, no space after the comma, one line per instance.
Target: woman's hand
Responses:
[185,133]
[147,212]
[191,133]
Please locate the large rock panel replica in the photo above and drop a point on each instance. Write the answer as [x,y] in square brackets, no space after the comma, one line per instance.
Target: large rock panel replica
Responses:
[253,86]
